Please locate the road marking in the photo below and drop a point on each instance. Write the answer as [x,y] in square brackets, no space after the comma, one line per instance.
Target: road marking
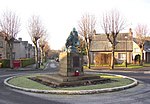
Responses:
[8,75]
[141,77]
[52,65]
[146,72]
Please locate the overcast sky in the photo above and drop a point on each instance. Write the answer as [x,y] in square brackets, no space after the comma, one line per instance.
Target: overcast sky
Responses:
[60,16]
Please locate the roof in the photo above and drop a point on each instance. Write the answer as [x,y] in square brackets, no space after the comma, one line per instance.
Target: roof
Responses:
[147,46]
[101,43]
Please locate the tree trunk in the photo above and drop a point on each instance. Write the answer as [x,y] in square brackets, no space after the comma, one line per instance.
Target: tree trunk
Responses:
[36,57]
[41,56]
[142,57]
[88,60]
[11,57]
[112,57]
[88,57]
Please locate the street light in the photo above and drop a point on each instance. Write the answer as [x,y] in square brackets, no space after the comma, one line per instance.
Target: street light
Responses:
[126,50]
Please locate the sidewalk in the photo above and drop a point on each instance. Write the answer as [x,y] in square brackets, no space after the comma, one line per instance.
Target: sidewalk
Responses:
[120,69]
[29,67]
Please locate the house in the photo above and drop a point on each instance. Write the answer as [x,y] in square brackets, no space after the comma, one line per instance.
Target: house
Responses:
[100,48]
[31,51]
[3,48]
[22,49]
[137,51]
[147,52]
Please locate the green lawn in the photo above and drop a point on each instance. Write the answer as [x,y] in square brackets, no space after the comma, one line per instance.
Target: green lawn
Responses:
[23,81]
[132,66]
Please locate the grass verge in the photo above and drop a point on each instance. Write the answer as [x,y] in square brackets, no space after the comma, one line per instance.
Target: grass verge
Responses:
[23,81]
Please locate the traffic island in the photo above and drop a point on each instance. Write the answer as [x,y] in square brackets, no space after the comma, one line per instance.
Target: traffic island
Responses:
[118,83]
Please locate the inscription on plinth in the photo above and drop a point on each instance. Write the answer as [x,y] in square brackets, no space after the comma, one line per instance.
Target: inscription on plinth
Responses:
[70,64]
[76,61]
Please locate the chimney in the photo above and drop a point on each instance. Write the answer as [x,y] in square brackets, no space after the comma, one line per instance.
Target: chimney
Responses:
[130,32]
[94,32]
[20,39]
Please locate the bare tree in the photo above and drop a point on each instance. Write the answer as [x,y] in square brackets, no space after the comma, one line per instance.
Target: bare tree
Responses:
[46,50]
[112,24]
[36,31]
[9,25]
[86,29]
[81,47]
[141,36]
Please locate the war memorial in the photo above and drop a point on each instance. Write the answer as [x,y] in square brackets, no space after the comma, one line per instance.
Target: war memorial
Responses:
[71,77]
[71,71]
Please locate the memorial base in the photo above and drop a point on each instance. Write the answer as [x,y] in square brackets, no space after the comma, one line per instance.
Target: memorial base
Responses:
[70,64]
[70,73]
[57,80]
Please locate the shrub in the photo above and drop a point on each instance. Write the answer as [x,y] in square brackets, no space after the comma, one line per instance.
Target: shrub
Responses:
[5,63]
[27,61]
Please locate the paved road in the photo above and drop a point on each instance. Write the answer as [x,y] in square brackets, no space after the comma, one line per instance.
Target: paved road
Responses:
[137,95]
[9,96]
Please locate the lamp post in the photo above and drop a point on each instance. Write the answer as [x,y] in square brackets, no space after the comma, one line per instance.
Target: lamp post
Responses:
[126,50]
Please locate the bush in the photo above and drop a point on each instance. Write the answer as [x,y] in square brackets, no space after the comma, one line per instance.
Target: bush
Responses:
[137,59]
[5,63]
[27,61]
[24,62]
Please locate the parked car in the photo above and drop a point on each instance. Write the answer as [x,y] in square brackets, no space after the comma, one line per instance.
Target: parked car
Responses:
[57,59]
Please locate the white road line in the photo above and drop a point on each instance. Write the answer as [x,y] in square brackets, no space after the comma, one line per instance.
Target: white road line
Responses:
[8,75]
[146,72]
[52,65]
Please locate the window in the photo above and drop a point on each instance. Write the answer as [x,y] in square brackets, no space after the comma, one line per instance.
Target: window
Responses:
[0,56]
[122,56]
[13,55]
[136,50]
[1,44]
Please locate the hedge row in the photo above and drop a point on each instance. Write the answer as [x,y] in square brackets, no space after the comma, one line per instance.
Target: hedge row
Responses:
[5,63]
[24,62]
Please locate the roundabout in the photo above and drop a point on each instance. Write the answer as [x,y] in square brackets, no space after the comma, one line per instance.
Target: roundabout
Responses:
[118,83]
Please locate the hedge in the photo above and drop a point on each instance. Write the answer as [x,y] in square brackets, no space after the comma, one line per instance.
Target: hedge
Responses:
[24,62]
[27,61]
[5,63]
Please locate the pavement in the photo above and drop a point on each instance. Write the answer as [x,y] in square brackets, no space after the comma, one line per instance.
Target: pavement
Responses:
[147,68]
[100,68]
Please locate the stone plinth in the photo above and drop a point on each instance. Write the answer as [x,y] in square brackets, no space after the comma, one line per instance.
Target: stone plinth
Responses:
[70,64]
[56,80]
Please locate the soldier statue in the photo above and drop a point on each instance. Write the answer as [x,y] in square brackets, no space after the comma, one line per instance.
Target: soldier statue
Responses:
[72,41]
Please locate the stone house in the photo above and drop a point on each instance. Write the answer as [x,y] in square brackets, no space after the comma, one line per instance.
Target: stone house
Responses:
[147,52]
[137,51]
[101,48]
[22,49]
[3,48]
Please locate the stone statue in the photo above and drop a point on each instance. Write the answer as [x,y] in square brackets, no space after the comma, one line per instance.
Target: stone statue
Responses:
[72,41]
